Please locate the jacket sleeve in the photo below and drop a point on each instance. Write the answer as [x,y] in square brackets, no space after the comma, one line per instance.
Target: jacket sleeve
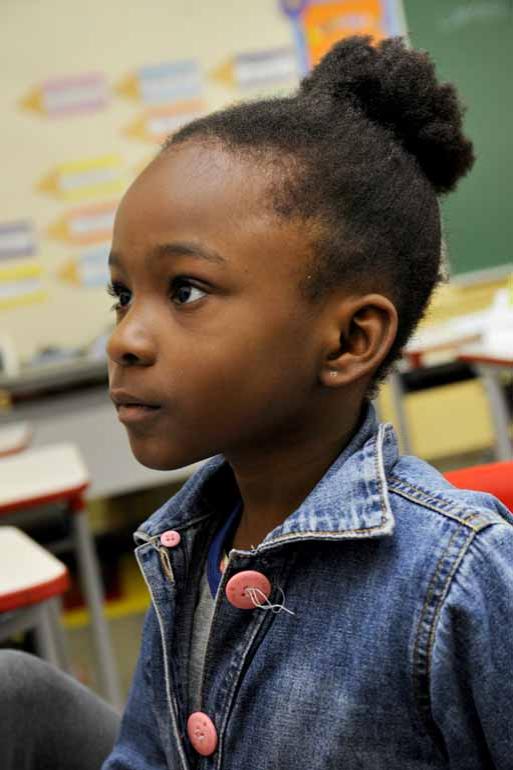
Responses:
[471,677]
[138,745]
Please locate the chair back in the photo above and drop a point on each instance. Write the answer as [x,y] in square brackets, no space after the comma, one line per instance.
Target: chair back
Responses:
[496,478]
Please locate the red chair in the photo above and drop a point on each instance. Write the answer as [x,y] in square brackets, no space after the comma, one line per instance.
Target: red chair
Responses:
[496,478]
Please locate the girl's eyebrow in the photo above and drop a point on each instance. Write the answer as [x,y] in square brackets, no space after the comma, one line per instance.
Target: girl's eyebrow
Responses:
[188,249]
[175,249]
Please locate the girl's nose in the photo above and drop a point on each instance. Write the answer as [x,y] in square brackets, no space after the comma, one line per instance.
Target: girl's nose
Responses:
[131,345]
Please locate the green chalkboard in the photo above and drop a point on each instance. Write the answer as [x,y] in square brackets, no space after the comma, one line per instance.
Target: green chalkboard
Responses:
[472,45]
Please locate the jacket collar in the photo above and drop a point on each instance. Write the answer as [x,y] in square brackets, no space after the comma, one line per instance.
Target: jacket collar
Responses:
[350,501]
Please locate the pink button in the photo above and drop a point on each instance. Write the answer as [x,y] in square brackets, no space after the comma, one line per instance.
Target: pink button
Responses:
[202,733]
[239,593]
[170,538]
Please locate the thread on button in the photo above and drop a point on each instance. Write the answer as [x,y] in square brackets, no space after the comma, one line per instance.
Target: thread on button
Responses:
[257,595]
[166,564]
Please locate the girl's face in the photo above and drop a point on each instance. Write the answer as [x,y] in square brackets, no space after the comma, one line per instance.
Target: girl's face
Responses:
[214,349]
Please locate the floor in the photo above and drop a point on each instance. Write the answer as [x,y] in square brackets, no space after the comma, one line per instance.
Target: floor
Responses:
[125,634]
[125,617]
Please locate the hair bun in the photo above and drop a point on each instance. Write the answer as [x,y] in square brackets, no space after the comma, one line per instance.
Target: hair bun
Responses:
[397,88]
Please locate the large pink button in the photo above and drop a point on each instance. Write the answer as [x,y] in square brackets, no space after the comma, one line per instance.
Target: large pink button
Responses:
[170,538]
[202,733]
[239,593]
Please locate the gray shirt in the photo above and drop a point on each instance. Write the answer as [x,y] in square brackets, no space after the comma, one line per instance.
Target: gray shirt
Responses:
[200,633]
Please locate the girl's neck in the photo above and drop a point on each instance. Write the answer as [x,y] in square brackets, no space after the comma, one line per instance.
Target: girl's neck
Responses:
[275,483]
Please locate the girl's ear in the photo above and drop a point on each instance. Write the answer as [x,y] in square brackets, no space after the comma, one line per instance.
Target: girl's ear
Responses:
[362,332]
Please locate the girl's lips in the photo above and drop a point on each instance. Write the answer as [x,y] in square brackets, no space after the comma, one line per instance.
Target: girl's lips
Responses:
[136,413]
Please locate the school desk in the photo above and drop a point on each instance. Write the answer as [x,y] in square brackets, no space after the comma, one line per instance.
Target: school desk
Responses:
[463,356]
[429,361]
[31,581]
[56,475]
[14,438]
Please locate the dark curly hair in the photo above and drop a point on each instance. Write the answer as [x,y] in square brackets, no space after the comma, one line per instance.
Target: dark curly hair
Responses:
[360,153]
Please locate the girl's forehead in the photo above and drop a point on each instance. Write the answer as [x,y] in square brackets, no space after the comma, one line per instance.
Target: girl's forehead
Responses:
[203,193]
[201,186]
[200,175]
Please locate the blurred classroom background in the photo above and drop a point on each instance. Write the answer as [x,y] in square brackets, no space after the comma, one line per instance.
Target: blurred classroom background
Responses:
[88,93]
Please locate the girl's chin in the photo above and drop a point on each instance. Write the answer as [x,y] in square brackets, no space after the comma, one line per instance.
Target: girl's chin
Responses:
[148,453]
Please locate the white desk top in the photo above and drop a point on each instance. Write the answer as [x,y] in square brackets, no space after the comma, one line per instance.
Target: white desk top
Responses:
[27,571]
[482,354]
[448,334]
[40,473]
[14,438]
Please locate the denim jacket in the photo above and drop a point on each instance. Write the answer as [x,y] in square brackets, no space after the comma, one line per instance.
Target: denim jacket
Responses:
[399,654]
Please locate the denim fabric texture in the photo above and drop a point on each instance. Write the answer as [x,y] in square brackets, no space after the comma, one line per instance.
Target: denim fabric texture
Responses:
[399,654]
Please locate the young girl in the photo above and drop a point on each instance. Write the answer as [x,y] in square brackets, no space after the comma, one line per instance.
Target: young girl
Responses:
[318,601]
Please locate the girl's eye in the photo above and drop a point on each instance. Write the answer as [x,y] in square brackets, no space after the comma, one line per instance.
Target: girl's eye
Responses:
[122,294]
[184,293]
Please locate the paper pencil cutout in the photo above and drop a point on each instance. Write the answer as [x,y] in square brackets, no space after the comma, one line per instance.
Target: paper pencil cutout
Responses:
[20,284]
[17,239]
[88,224]
[164,83]
[89,270]
[68,95]
[154,125]
[84,179]
[260,68]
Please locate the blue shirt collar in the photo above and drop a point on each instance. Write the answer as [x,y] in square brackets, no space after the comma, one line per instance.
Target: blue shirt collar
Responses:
[217,548]
[350,501]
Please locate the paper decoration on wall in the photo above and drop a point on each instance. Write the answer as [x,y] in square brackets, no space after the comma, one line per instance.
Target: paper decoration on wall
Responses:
[17,239]
[319,25]
[157,123]
[88,224]
[20,283]
[258,68]
[89,270]
[164,83]
[69,95]
[84,179]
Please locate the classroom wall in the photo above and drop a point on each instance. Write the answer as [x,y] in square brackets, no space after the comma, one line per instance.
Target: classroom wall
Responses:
[60,38]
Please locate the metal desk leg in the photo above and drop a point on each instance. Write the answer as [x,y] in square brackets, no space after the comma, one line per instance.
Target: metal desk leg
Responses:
[61,643]
[45,638]
[397,392]
[93,591]
[499,411]
[40,619]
